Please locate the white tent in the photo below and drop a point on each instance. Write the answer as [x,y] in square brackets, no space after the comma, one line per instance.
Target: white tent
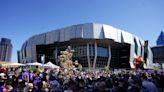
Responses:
[50,65]
[16,64]
[34,64]
[12,65]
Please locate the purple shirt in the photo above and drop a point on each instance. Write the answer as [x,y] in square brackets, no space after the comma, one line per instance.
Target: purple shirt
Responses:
[25,75]
[36,80]
[31,76]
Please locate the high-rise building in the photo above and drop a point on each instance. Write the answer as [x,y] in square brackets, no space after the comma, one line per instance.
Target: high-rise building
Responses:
[160,40]
[158,54]
[158,51]
[5,49]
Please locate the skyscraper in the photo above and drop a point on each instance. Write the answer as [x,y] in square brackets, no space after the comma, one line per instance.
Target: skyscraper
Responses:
[158,51]
[5,49]
[160,40]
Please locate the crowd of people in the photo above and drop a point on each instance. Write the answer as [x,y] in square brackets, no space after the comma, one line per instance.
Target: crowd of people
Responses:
[63,80]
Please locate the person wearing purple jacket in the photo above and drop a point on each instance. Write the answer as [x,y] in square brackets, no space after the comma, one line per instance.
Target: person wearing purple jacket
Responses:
[31,76]
[36,79]
[25,75]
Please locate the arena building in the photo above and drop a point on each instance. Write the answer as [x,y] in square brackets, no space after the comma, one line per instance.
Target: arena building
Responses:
[95,46]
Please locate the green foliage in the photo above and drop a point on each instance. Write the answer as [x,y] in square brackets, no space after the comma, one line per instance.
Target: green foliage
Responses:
[33,69]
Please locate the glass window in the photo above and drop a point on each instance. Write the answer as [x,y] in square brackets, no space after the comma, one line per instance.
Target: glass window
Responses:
[91,50]
[79,51]
[101,51]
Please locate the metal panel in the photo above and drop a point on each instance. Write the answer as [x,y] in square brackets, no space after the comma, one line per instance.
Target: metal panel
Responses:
[29,50]
[72,32]
[128,38]
[55,34]
[97,31]
[38,39]
[79,31]
[51,37]
[62,35]
[88,30]
[112,33]
[48,37]
[139,45]
[67,34]
[118,32]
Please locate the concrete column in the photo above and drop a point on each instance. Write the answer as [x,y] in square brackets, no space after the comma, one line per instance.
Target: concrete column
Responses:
[109,55]
[56,55]
[95,57]
[88,57]
[132,56]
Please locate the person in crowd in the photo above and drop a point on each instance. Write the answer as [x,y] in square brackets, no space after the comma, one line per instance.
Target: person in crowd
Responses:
[150,86]
[39,87]
[71,86]
[29,88]
[55,86]
[63,80]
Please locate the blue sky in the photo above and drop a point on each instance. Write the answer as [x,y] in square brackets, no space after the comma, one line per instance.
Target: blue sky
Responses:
[21,19]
